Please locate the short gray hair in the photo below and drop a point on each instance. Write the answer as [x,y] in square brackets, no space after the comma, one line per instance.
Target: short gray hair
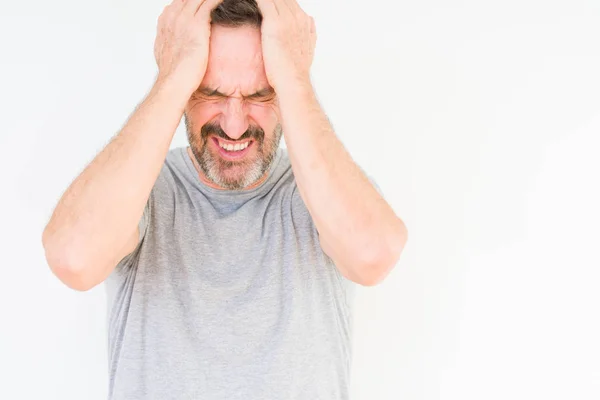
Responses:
[236,13]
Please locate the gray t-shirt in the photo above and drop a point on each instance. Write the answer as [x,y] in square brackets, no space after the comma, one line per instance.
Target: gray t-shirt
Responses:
[228,295]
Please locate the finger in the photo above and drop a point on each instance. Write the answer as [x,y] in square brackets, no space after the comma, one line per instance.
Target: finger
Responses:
[206,8]
[191,6]
[177,5]
[294,7]
[173,8]
[166,14]
[284,7]
[268,8]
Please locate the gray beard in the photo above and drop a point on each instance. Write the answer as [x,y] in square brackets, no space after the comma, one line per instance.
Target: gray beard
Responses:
[213,167]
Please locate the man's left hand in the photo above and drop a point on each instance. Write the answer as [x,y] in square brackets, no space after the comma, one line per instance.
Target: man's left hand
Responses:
[288,42]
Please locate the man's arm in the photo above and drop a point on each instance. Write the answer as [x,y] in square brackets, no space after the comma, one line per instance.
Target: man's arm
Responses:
[95,222]
[357,228]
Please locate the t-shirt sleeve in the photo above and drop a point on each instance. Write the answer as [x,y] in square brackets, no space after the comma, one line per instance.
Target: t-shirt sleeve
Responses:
[299,207]
[143,229]
[143,224]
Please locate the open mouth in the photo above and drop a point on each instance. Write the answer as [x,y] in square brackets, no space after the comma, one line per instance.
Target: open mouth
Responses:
[233,150]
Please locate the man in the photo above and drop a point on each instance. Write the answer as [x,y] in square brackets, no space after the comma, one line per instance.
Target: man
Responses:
[230,263]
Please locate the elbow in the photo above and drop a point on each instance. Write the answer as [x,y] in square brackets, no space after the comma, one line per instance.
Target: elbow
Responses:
[372,273]
[66,269]
[377,264]
[73,278]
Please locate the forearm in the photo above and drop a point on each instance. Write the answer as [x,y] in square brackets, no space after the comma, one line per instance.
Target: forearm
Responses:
[357,227]
[102,207]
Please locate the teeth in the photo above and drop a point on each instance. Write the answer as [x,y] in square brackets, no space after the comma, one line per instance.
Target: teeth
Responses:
[236,147]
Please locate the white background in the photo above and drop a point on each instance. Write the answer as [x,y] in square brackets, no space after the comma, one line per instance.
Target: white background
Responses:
[480,121]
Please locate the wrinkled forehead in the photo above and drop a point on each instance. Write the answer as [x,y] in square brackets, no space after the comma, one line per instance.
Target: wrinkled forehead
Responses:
[235,63]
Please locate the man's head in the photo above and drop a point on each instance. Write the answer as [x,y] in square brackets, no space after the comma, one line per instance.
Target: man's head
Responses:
[235,105]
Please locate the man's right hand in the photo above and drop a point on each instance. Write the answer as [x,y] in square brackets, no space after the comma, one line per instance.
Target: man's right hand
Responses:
[182,42]
[95,224]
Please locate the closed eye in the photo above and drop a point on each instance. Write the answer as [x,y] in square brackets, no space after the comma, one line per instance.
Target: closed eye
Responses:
[262,96]
[260,99]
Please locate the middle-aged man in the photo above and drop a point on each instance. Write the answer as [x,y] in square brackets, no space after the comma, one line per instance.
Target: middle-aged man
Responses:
[229,264]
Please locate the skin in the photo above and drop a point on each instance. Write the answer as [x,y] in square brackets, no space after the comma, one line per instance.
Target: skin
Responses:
[95,223]
[357,228]
[234,103]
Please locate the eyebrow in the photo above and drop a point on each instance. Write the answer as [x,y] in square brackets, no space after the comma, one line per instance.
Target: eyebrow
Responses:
[262,93]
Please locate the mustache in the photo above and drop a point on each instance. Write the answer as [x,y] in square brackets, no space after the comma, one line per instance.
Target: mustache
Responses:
[253,132]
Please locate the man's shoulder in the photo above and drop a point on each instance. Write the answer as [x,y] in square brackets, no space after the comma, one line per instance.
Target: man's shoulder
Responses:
[175,170]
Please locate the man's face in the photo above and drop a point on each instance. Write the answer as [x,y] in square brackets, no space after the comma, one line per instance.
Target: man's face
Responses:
[234,106]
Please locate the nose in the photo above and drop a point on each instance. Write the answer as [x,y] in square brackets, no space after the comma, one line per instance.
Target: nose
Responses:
[234,119]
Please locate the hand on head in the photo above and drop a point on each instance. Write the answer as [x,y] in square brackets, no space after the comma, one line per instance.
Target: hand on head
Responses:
[182,41]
